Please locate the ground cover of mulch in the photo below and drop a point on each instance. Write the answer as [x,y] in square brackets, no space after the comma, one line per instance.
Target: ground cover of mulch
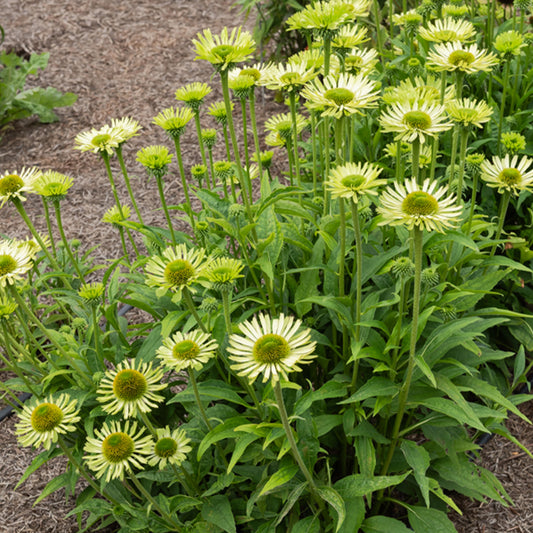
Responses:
[125,58]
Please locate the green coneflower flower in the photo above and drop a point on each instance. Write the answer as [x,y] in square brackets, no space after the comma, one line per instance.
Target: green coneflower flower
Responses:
[104,140]
[359,62]
[424,158]
[224,172]
[218,111]
[270,346]
[513,142]
[349,37]
[53,186]
[7,307]
[178,268]
[92,293]
[411,20]
[417,120]
[288,77]
[131,388]
[430,277]
[209,137]
[323,18]
[403,267]
[173,120]
[155,159]
[473,162]
[114,215]
[509,43]
[193,94]
[354,180]
[170,447]
[226,49]
[274,139]
[282,124]
[125,128]
[42,422]
[456,56]
[454,11]
[241,85]
[391,149]
[199,172]
[467,112]
[418,90]
[31,243]
[310,59]
[424,206]
[265,157]
[341,96]
[16,184]
[508,174]
[187,350]
[223,272]
[117,449]
[447,30]
[15,261]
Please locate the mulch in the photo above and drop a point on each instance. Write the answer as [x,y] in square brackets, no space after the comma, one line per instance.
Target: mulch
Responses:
[125,58]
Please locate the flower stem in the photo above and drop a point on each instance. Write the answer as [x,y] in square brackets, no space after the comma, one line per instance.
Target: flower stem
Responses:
[203,414]
[184,181]
[502,105]
[504,204]
[49,226]
[292,102]
[462,156]
[73,260]
[253,119]
[120,158]
[190,304]
[358,285]
[415,160]
[161,189]
[473,201]
[199,134]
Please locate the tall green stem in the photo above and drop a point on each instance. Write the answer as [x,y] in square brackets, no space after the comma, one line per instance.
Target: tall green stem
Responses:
[292,101]
[127,181]
[183,182]
[199,135]
[161,189]
[502,105]
[415,159]
[504,204]
[190,304]
[49,225]
[358,284]
[198,400]
[73,260]
[253,119]
[462,157]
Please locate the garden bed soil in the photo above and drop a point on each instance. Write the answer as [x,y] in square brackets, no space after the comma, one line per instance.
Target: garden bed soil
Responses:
[126,58]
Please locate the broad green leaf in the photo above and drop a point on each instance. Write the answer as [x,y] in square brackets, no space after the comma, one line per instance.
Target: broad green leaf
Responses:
[281,477]
[374,387]
[241,443]
[210,390]
[519,365]
[418,459]
[333,498]
[291,500]
[217,510]
[451,409]
[311,524]
[330,389]
[359,485]
[424,520]
[225,430]
[384,524]
[37,462]
[54,484]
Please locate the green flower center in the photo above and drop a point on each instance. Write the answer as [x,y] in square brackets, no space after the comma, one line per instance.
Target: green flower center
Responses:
[419,203]
[222,273]
[469,115]
[510,176]
[353,181]
[129,385]
[54,189]
[46,417]
[252,72]
[7,264]
[165,447]
[271,348]
[185,350]
[417,120]
[101,140]
[339,96]
[118,447]
[447,35]
[461,58]
[179,272]
[10,184]
[354,61]
[291,78]
[223,50]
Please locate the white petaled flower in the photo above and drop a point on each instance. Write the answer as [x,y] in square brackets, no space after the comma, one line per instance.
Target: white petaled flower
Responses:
[359,61]
[467,112]
[171,447]
[349,37]
[288,77]
[322,17]
[16,184]
[417,90]
[125,128]
[354,180]
[426,207]
[117,449]
[341,96]
[447,30]
[414,120]
[272,347]
[508,174]
[15,260]
[187,350]
[42,422]
[456,56]
[102,141]
[131,388]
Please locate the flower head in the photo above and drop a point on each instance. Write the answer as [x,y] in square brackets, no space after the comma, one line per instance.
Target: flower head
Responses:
[15,184]
[226,49]
[414,120]
[456,56]
[125,128]
[447,30]
[102,141]
[131,388]
[52,185]
[354,180]
[155,159]
[42,422]
[341,96]
[15,261]
[177,269]
[454,11]
[322,18]
[360,61]
[282,124]
[509,43]
[417,90]
[116,215]
[173,120]
[468,112]
[193,94]
[116,449]
[513,142]
[7,307]
[426,207]
[270,346]
[170,447]
[218,111]
[92,293]
[508,174]
[224,172]
[187,350]
[223,272]
[349,37]
[199,173]
[209,137]
[288,77]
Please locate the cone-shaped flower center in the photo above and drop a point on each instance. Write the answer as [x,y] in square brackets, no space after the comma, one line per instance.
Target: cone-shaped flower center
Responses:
[117,447]
[165,447]
[185,350]
[178,272]
[221,273]
[7,264]
[10,184]
[270,348]
[339,96]
[510,176]
[54,189]
[46,417]
[101,139]
[468,115]
[461,58]
[222,50]
[353,181]
[129,384]
[417,120]
[419,203]
[253,72]
[354,61]
[291,78]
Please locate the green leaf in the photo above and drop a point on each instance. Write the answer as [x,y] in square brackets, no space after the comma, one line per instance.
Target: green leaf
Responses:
[519,365]
[423,520]
[282,476]
[451,409]
[37,462]
[225,430]
[374,387]
[311,524]
[210,390]
[384,524]
[418,459]
[54,484]
[291,500]
[241,443]
[217,511]
[359,485]
[334,499]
